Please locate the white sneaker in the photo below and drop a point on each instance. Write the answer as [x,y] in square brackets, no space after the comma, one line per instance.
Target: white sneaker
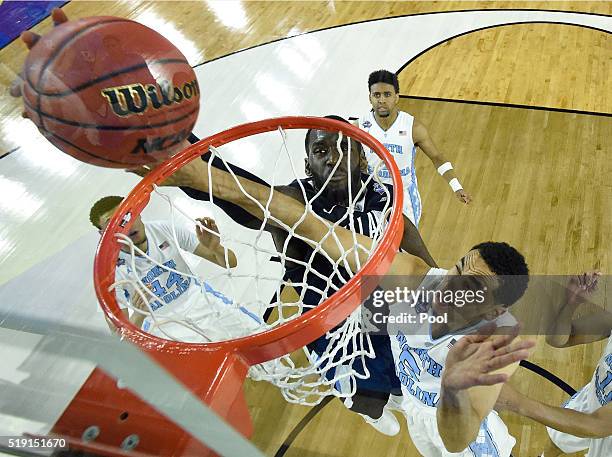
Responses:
[386,424]
[395,403]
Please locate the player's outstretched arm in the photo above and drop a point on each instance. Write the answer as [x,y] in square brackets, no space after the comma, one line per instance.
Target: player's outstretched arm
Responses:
[421,138]
[210,247]
[597,424]
[475,369]
[287,212]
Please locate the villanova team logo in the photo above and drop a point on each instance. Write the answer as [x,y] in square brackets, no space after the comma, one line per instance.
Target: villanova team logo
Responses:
[366,124]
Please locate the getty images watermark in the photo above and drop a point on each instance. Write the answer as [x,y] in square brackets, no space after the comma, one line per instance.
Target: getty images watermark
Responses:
[418,301]
[539,303]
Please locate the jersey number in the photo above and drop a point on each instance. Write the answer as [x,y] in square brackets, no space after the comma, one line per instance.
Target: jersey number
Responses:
[159,290]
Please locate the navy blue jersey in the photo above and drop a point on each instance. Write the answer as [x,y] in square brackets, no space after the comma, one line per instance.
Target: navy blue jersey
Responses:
[366,220]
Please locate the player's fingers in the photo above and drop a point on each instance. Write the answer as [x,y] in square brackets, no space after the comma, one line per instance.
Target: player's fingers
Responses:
[213,224]
[503,361]
[476,338]
[58,16]
[499,341]
[520,345]
[30,38]
[491,379]
[592,281]
[485,331]
[16,84]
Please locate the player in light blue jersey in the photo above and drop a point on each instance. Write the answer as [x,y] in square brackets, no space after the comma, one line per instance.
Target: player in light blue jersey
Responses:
[176,291]
[401,134]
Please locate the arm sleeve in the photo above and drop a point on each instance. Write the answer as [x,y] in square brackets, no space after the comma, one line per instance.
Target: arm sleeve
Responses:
[237,213]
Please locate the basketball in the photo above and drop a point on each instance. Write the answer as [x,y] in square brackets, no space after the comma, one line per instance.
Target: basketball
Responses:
[110,92]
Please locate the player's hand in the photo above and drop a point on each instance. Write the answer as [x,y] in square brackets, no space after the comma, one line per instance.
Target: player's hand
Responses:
[30,39]
[138,303]
[580,286]
[208,233]
[473,359]
[463,196]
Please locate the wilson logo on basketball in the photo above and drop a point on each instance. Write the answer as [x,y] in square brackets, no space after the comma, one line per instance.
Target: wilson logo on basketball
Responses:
[136,98]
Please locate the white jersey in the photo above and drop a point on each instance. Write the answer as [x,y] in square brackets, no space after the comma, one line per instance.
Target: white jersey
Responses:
[173,290]
[179,295]
[398,141]
[596,394]
[419,361]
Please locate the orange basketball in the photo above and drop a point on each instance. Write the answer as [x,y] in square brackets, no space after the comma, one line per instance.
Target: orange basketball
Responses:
[110,92]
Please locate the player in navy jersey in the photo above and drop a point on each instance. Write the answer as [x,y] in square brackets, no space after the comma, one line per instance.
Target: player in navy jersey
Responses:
[401,133]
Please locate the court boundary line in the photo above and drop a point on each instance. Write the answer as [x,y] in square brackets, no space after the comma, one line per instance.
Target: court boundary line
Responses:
[506,105]
[418,55]
[301,425]
[10,151]
[365,21]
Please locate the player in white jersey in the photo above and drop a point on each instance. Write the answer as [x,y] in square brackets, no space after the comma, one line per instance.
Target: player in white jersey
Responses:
[420,347]
[213,313]
[585,420]
[401,133]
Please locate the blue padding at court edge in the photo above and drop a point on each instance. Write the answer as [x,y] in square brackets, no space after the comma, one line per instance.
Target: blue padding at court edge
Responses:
[18,16]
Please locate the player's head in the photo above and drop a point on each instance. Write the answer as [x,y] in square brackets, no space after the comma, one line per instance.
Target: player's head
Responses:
[322,155]
[102,211]
[497,276]
[384,93]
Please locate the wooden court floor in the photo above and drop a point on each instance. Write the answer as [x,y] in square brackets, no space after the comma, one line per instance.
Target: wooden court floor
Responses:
[540,178]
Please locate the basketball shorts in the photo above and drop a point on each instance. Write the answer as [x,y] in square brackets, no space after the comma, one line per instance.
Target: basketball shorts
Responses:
[493,439]
[412,204]
[569,444]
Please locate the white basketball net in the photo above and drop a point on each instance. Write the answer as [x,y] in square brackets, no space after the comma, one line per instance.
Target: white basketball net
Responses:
[209,316]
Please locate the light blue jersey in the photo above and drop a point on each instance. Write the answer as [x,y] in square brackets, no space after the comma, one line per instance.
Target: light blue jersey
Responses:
[398,141]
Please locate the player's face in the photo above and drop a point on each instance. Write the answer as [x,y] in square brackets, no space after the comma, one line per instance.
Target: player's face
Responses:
[472,283]
[137,232]
[384,99]
[323,156]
